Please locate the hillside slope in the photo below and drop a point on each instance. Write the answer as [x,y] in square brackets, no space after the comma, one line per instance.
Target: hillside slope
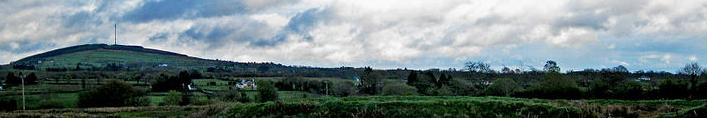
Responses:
[102,57]
[97,55]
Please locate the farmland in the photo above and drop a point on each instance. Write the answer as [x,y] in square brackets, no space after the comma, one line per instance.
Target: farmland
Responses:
[128,81]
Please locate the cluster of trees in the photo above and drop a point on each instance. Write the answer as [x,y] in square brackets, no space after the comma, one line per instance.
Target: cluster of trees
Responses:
[13,80]
[317,86]
[429,84]
[179,83]
[611,83]
[113,94]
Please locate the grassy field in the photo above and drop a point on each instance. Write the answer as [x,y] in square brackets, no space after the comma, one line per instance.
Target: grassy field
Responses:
[401,106]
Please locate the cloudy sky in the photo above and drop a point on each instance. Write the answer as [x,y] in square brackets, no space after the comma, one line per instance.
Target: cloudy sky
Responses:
[419,34]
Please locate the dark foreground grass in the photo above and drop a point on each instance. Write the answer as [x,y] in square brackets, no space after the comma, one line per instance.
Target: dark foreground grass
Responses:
[403,106]
[407,107]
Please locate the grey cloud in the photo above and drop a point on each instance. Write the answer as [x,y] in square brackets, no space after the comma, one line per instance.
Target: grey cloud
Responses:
[183,9]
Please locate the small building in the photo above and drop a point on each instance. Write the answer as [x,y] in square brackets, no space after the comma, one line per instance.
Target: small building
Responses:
[643,78]
[246,84]
[162,65]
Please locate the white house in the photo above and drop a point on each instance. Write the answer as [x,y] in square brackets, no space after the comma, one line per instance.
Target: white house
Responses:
[246,84]
[643,78]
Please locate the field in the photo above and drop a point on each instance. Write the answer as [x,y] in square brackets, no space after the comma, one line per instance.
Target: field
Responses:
[397,106]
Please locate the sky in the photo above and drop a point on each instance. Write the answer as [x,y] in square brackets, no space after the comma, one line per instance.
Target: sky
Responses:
[660,35]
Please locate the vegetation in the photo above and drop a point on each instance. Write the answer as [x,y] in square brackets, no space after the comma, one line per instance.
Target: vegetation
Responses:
[113,94]
[173,98]
[266,91]
[140,82]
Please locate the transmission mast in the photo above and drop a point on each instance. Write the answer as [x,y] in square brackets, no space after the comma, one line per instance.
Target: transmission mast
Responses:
[115,32]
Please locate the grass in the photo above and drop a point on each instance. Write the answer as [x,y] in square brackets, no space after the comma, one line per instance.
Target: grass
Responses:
[292,104]
[44,101]
[101,57]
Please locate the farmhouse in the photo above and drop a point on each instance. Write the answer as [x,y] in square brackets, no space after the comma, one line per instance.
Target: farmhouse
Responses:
[245,84]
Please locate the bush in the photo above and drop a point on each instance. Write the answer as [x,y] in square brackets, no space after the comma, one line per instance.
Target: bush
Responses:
[8,104]
[554,86]
[173,98]
[266,91]
[113,94]
[628,90]
[672,89]
[342,89]
[599,89]
[399,89]
[502,87]
[234,96]
[165,83]
[51,103]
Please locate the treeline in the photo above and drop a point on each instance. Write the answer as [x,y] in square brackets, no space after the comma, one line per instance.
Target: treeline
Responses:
[549,83]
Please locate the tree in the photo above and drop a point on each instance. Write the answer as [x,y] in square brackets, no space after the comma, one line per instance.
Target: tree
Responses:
[671,89]
[165,82]
[478,66]
[412,78]
[342,89]
[599,88]
[173,98]
[551,66]
[426,83]
[371,81]
[506,70]
[31,79]
[443,80]
[266,91]
[113,94]
[11,79]
[694,71]
[503,87]
[554,86]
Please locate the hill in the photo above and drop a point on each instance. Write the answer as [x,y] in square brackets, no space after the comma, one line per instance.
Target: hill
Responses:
[104,57]
[98,55]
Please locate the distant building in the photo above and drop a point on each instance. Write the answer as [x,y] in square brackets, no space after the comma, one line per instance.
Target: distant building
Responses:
[163,65]
[643,78]
[246,84]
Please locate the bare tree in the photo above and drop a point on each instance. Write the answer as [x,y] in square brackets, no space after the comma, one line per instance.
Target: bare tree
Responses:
[692,69]
[478,66]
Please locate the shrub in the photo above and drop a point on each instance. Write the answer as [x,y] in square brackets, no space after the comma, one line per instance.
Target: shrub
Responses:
[628,90]
[444,91]
[502,87]
[8,104]
[51,103]
[342,89]
[173,98]
[234,95]
[165,83]
[672,89]
[266,91]
[599,89]
[399,89]
[554,86]
[113,94]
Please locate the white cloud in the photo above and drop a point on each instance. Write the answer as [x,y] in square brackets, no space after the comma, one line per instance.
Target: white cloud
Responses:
[361,32]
